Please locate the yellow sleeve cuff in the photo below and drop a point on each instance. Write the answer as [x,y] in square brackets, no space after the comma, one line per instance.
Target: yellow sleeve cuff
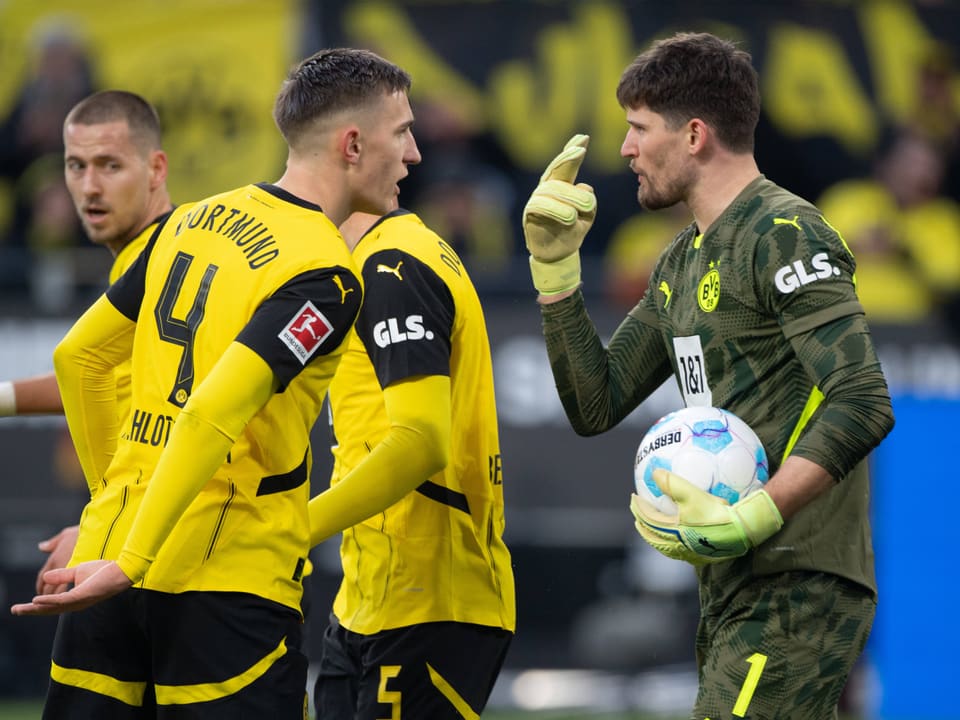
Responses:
[133,566]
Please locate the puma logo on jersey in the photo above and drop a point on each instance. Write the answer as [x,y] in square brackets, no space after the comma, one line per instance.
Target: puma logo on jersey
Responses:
[389,331]
[344,291]
[784,221]
[392,270]
[665,289]
[795,275]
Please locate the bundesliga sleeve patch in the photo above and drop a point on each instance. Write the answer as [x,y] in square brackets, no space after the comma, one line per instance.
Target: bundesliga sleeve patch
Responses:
[305,332]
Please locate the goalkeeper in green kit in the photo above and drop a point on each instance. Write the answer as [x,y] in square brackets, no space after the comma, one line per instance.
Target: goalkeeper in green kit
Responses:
[752,308]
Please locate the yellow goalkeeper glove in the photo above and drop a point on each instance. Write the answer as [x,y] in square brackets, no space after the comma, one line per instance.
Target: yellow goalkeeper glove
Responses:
[556,219]
[706,525]
[666,542]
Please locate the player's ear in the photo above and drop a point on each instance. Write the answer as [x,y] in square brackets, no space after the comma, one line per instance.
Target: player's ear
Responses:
[349,144]
[158,168]
[697,133]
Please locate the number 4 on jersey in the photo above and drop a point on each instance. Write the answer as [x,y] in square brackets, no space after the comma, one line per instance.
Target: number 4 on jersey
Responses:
[182,332]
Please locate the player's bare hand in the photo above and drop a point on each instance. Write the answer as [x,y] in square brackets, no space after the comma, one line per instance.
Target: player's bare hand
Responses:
[93,581]
[60,548]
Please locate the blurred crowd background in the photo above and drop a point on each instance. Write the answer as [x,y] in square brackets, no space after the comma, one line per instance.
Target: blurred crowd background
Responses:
[861,115]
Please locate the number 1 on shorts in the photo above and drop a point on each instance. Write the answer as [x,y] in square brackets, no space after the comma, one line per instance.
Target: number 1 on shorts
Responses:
[757,662]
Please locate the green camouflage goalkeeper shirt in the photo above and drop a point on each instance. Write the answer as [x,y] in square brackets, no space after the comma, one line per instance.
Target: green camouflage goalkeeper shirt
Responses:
[758,315]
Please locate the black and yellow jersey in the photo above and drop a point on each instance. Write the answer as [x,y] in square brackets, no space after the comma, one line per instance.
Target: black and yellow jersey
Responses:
[260,268]
[124,259]
[131,251]
[438,554]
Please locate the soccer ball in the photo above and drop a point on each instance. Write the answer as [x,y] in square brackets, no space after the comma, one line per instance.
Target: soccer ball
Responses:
[709,447]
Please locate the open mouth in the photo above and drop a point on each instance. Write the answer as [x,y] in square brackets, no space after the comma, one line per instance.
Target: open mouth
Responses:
[95,215]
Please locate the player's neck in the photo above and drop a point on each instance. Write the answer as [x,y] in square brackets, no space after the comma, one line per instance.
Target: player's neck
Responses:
[158,205]
[325,189]
[356,226]
[719,184]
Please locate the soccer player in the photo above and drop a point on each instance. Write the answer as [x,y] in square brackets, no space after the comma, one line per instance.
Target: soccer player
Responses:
[116,173]
[753,309]
[426,611]
[188,564]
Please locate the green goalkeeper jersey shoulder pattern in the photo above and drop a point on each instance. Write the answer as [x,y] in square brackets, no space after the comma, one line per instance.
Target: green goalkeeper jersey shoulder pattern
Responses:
[740,308]
[727,302]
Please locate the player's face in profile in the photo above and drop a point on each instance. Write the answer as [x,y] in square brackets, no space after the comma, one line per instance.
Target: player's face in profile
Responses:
[658,156]
[109,179]
[389,147]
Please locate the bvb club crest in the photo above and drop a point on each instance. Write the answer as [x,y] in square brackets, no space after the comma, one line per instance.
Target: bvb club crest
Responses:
[708,291]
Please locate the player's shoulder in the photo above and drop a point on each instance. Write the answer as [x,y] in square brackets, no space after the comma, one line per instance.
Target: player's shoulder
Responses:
[787,230]
[773,206]
[267,224]
[244,206]
[399,230]
[403,234]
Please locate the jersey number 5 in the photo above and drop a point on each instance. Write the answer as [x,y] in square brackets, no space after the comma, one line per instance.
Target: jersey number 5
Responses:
[182,331]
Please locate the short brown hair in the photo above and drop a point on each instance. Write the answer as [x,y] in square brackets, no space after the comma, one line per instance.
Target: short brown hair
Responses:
[699,75]
[330,81]
[120,105]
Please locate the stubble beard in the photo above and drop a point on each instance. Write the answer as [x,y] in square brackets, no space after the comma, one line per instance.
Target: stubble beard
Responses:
[652,200]
[673,193]
[109,238]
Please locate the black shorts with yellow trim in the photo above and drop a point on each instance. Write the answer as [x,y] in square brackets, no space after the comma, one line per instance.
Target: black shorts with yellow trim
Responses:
[148,654]
[437,670]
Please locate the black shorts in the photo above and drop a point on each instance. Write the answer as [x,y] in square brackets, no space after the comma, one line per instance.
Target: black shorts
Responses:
[435,670]
[193,655]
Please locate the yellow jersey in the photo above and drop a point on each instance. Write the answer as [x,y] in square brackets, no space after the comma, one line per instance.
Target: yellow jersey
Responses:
[121,263]
[438,554]
[255,266]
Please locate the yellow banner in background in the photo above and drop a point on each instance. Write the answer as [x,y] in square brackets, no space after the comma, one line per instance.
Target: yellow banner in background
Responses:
[211,67]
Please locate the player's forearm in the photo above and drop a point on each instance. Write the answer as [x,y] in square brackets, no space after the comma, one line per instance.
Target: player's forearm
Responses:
[796,483]
[415,447]
[398,465]
[599,386]
[221,406]
[84,361]
[31,396]
[856,413]
[195,451]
